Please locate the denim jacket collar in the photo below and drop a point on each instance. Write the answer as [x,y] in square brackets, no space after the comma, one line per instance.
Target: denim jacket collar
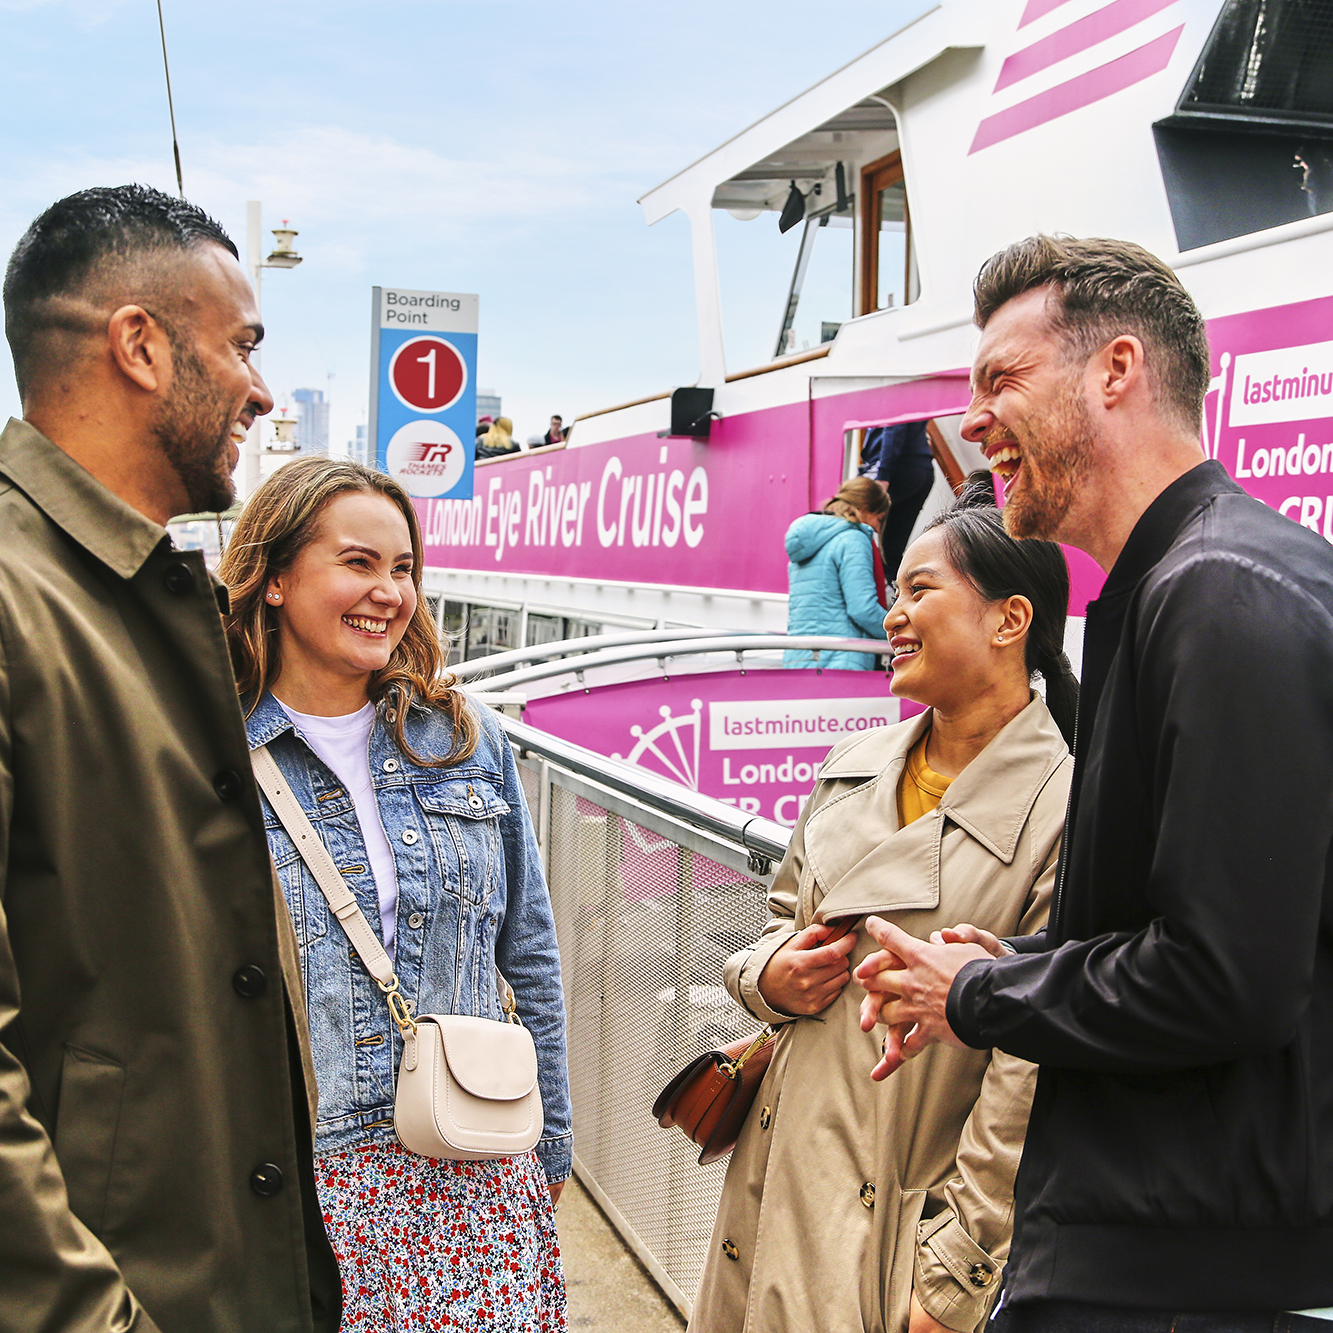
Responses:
[267,722]
[269,719]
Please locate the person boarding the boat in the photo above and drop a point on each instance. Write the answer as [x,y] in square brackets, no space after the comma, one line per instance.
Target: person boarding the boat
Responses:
[836,581]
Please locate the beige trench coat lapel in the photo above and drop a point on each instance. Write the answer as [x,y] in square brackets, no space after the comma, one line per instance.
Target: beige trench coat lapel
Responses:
[857,868]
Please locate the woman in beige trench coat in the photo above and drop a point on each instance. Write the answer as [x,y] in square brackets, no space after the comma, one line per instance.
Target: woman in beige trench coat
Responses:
[851,1205]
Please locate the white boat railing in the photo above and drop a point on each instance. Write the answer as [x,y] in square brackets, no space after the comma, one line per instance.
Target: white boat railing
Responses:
[478,666]
[648,647]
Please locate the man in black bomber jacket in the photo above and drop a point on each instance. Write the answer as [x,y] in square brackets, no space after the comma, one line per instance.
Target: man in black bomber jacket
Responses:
[1178,1171]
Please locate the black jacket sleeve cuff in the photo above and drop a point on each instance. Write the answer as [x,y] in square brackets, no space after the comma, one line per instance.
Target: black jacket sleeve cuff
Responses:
[959,1008]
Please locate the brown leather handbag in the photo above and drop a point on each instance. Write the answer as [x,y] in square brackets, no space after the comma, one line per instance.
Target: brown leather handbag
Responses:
[710,1098]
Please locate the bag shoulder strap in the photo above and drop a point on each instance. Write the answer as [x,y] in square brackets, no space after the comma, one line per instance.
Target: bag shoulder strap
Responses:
[342,901]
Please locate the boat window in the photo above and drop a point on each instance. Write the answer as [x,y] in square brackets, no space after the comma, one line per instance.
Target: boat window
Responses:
[782,293]
[888,258]
[555,628]
[789,223]
[1250,145]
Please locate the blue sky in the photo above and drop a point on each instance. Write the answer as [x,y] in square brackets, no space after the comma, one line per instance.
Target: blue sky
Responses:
[490,146]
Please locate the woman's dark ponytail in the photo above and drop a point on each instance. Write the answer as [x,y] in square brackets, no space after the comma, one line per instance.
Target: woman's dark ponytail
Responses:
[1061,693]
[998,566]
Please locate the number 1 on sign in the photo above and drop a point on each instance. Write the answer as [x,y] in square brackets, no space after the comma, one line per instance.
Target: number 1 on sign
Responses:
[429,360]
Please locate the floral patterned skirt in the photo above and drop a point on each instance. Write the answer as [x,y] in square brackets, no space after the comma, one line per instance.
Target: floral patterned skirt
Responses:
[426,1244]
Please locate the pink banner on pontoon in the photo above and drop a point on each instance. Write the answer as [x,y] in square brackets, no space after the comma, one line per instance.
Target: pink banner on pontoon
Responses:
[754,739]
[1269,410]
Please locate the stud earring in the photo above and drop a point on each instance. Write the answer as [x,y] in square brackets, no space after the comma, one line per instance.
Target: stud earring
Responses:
[275,597]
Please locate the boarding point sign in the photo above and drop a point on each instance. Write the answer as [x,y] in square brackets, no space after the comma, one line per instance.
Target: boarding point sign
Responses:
[423,389]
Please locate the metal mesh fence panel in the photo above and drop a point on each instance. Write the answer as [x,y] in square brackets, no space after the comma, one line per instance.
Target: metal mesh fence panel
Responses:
[644,926]
[531,781]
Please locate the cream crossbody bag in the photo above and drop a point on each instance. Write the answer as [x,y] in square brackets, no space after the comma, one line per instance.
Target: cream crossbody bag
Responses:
[467,1087]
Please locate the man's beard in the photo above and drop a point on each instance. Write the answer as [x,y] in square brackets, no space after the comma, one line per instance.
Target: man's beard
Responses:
[1057,457]
[193,427]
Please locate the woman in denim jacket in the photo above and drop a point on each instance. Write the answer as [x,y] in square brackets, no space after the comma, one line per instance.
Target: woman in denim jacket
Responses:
[414,792]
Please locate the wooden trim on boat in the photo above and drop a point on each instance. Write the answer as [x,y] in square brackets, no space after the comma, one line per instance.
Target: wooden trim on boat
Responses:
[782,363]
[944,456]
[529,452]
[620,407]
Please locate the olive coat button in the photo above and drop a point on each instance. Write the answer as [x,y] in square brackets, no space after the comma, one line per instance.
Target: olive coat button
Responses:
[266,1180]
[249,982]
[228,784]
[178,579]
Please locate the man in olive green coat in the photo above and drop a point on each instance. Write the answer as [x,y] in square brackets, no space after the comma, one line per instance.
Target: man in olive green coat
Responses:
[155,1148]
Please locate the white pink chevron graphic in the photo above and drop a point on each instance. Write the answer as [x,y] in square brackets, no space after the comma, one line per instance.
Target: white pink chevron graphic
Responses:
[1083,89]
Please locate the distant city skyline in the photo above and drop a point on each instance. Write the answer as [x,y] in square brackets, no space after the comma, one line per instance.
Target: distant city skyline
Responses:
[312,414]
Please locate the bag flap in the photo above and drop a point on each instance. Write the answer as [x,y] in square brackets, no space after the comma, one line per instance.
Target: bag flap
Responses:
[496,1061]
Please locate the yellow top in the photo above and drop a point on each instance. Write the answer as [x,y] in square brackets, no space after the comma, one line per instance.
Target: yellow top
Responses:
[920,789]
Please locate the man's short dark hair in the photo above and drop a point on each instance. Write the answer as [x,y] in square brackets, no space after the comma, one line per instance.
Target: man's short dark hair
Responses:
[78,240]
[1103,288]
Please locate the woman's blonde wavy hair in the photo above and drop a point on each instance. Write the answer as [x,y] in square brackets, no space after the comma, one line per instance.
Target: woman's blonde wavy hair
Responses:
[280,519]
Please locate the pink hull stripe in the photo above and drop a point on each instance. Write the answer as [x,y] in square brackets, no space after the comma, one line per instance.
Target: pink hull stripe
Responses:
[1037,9]
[1083,91]
[1079,36]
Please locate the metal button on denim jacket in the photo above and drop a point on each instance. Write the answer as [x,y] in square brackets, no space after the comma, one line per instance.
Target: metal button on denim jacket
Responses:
[471,893]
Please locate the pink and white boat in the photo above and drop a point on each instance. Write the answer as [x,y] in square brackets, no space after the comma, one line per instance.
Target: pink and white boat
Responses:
[1201,129]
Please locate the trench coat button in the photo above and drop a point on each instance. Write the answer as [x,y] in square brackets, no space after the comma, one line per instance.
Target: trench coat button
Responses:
[416,920]
[178,579]
[266,1180]
[249,982]
[729,1248]
[868,1194]
[390,765]
[765,1117]
[411,836]
[979,1275]
[228,784]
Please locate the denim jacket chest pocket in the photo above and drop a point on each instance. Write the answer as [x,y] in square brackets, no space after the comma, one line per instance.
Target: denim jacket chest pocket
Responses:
[461,816]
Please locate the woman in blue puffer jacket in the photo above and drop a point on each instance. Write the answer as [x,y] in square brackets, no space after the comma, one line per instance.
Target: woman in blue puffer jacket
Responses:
[832,575]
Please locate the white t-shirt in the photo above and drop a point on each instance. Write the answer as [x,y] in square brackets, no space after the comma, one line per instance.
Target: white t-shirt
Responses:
[343,743]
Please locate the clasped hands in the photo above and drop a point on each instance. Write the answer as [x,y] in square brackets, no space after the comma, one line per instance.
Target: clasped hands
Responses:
[906,981]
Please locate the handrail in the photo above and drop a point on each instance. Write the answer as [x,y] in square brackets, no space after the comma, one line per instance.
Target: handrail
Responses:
[730,643]
[764,837]
[481,665]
